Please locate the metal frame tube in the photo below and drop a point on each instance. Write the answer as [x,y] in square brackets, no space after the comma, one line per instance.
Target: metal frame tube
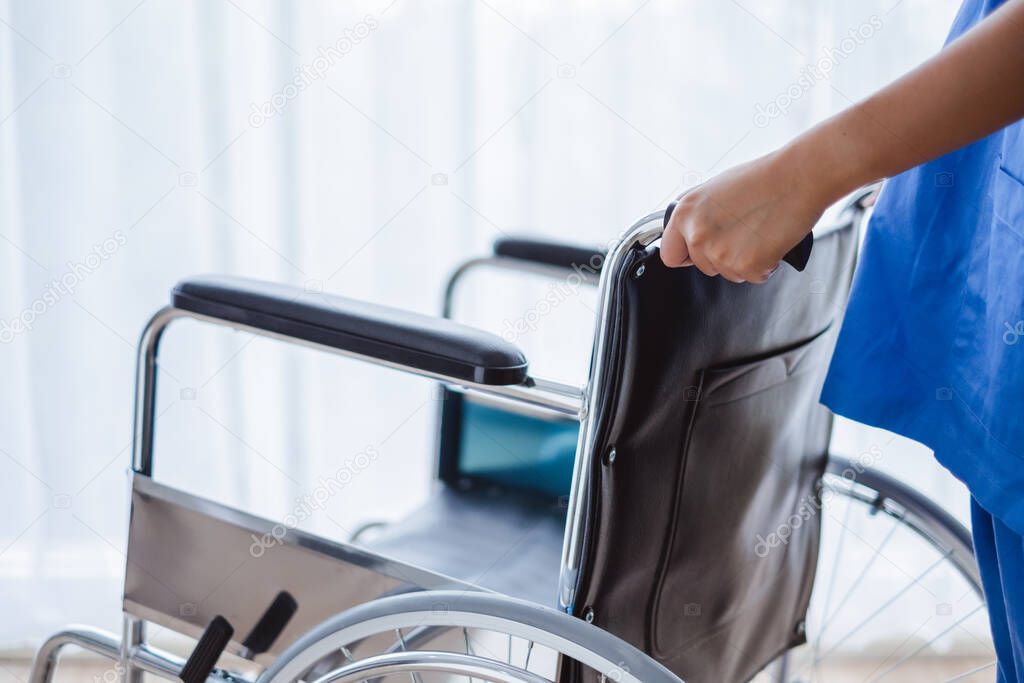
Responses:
[133,635]
[137,658]
[506,263]
[643,233]
[90,639]
[145,389]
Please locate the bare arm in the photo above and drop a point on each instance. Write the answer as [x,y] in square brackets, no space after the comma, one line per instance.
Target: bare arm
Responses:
[740,223]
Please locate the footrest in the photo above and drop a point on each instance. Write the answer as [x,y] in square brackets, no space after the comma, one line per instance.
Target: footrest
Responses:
[271,624]
[208,650]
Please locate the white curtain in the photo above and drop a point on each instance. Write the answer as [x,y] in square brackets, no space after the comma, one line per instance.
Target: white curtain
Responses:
[363,148]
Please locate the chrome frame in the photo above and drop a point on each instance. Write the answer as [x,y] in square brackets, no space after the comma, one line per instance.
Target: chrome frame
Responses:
[132,661]
[504,263]
[131,651]
[643,233]
[134,656]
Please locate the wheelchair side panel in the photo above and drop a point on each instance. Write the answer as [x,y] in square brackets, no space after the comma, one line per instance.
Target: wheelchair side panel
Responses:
[190,559]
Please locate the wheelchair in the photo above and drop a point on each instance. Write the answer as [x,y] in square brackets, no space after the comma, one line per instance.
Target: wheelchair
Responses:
[668,513]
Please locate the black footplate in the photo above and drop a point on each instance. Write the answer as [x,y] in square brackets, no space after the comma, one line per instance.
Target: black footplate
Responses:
[271,624]
[208,650]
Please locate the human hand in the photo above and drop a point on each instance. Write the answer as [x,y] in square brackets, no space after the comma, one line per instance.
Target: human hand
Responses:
[741,223]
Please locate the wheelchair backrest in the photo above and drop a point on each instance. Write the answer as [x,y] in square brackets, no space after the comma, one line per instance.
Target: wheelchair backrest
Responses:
[709,440]
[707,445]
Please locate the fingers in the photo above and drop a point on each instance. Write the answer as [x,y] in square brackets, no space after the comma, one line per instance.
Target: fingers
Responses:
[716,259]
[673,246]
[676,253]
[687,241]
[703,263]
[765,276]
[731,275]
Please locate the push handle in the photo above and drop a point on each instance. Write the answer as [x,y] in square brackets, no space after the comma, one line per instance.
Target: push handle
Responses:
[796,257]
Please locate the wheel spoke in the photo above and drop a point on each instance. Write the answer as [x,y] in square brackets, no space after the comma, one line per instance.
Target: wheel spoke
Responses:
[827,621]
[886,604]
[901,644]
[469,650]
[415,677]
[919,649]
[832,579]
[967,674]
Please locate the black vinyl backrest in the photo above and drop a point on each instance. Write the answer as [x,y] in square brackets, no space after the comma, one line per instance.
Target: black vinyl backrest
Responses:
[720,441]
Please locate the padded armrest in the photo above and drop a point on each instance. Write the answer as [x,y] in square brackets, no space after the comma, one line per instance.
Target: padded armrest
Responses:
[419,342]
[550,253]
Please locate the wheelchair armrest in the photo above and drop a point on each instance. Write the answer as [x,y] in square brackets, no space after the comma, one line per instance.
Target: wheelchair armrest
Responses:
[418,342]
[550,253]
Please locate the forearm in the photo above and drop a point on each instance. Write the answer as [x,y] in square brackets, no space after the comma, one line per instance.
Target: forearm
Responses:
[969,90]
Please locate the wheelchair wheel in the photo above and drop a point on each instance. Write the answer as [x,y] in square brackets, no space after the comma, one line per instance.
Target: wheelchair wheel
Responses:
[898,595]
[448,636]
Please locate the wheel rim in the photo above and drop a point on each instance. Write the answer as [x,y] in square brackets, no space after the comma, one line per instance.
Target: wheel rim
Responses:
[530,640]
[413,663]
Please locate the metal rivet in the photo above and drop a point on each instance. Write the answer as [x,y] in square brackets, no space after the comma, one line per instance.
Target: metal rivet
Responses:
[640,271]
[588,615]
[801,628]
[609,459]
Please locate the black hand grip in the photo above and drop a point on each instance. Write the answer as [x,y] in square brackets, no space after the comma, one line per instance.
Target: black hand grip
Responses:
[271,624]
[796,257]
[208,650]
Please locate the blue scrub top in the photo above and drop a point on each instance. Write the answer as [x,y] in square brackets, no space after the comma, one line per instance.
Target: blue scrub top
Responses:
[932,345]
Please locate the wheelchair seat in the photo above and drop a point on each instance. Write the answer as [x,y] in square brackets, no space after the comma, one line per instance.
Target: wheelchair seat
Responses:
[500,540]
